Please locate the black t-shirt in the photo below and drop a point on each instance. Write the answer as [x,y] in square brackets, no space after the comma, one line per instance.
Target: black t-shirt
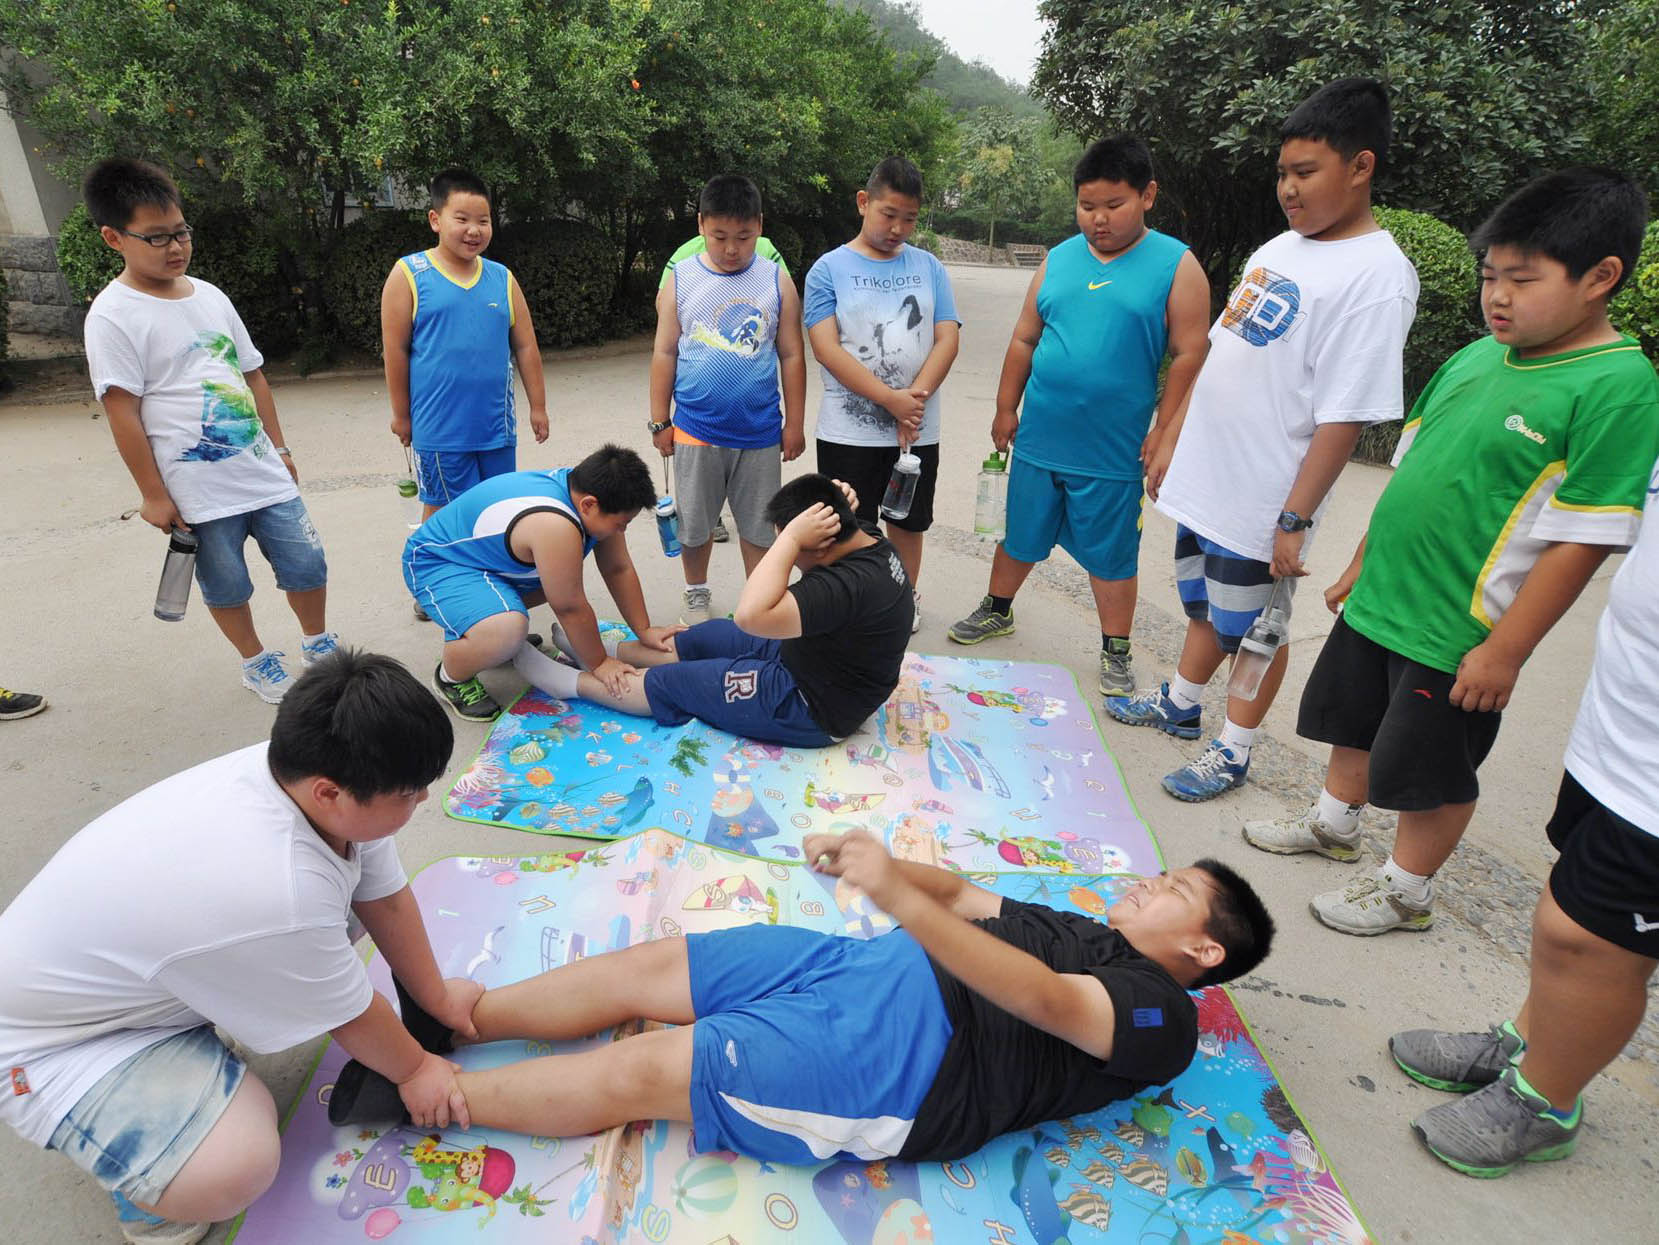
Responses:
[855,624]
[1000,1074]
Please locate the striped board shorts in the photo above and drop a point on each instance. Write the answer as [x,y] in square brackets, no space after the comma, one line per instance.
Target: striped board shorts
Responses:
[1223,588]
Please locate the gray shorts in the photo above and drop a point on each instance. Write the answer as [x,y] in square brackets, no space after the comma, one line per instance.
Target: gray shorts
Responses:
[705,476]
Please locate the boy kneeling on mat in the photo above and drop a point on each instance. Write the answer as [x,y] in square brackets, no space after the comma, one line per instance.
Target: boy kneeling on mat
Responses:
[800,664]
[981,1016]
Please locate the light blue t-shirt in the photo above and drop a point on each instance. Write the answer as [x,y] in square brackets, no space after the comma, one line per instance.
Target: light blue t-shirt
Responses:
[726,371]
[885,311]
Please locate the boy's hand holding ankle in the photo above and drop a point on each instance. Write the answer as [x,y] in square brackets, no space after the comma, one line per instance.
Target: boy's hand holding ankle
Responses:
[453,1009]
[613,672]
[657,637]
[432,1095]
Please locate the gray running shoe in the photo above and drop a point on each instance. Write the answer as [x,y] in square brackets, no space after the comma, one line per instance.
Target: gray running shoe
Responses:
[468,698]
[1287,836]
[1370,906]
[718,533]
[983,624]
[1458,1062]
[1495,1128]
[697,606]
[1117,677]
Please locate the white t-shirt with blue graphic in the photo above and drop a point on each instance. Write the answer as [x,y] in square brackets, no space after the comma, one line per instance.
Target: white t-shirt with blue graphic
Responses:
[885,311]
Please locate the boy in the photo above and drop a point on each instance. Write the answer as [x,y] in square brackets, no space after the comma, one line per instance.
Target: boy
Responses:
[981,1016]
[1308,351]
[727,321]
[194,420]
[1595,935]
[517,540]
[452,325]
[884,328]
[1524,465]
[1117,291]
[220,897]
[804,664]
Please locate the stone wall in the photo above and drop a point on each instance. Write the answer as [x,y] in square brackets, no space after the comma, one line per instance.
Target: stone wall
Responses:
[40,297]
[956,251]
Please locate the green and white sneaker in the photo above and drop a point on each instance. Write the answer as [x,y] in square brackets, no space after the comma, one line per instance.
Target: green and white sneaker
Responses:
[1371,906]
[1456,1062]
[1289,836]
[1494,1128]
[984,623]
[470,700]
[1117,676]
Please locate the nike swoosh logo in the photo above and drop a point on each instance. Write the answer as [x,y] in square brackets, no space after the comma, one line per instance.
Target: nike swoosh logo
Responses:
[1095,285]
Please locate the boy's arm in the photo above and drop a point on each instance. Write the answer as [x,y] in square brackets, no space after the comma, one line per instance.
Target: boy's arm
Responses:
[766,607]
[1338,592]
[904,405]
[394,922]
[792,366]
[397,322]
[1187,320]
[1328,453]
[1486,675]
[264,403]
[527,355]
[665,358]
[1074,1007]
[425,1082]
[155,502]
[1016,364]
[555,547]
[950,890]
[947,340]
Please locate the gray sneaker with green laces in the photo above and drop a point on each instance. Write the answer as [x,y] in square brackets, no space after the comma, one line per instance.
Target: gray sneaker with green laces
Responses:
[468,698]
[1117,676]
[983,624]
[1458,1062]
[1494,1128]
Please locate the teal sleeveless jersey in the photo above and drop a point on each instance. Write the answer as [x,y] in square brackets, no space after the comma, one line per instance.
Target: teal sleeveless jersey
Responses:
[1094,376]
[460,357]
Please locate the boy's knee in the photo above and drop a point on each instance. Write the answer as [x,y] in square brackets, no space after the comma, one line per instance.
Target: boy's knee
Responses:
[235,1164]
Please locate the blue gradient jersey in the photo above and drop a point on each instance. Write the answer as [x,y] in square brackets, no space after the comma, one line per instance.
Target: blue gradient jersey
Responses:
[460,356]
[1094,376]
[475,530]
[726,376]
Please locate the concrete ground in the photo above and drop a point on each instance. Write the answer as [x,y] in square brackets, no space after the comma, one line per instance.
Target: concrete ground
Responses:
[134,699]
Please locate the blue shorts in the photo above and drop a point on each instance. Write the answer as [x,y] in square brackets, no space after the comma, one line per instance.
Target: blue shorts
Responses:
[809,1045]
[1097,521]
[287,539]
[137,1127]
[457,597]
[736,682]
[443,475]
[1223,588]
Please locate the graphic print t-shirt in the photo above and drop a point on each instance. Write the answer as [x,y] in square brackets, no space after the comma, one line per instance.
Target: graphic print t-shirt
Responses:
[184,360]
[885,311]
[1000,1074]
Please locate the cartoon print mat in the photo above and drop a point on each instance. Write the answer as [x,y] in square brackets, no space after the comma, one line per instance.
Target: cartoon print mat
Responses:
[984,765]
[1219,1155]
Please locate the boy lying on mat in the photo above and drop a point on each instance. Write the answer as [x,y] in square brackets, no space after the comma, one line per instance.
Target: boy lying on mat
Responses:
[800,664]
[981,1016]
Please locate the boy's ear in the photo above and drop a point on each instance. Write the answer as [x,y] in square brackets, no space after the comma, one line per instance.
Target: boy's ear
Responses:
[112,237]
[1149,196]
[863,201]
[1364,164]
[432,218]
[1599,281]
[1205,953]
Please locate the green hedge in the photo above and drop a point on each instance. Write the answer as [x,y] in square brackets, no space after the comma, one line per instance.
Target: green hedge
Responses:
[1636,309]
[568,273]
[87,262]
[927,240]
[356,268]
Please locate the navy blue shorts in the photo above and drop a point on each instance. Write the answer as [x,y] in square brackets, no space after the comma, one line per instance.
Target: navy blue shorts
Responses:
[443,475]
[735,681]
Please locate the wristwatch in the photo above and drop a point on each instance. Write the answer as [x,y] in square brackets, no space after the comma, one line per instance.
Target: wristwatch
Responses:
[1290,521]
[654,427]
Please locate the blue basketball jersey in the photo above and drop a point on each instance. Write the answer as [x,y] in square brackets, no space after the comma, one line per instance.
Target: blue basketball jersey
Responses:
[726,376]
[460,356]
[476,528]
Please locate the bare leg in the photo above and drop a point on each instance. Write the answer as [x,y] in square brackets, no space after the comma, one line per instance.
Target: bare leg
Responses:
[1425,841]
[1201,654]
[651,981]
[695,561]
[1114,601]
[752,554]
[236,621]
[428,510]
[310,609]
[1007,573]
[489,642]
[1348,775]
[236,1162]
[636,654]
[1249,713]
[909,546]
[633,699]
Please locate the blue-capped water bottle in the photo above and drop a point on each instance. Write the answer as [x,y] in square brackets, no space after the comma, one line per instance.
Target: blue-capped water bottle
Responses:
[668,517]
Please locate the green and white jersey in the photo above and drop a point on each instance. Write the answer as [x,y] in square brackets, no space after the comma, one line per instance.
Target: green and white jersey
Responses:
[1501,457]
[699,244]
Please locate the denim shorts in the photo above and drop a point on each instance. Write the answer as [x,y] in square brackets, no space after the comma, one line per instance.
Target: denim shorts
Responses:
[287,539]
[137,1127]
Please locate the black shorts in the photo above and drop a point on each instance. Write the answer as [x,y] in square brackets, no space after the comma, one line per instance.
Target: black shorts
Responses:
[868,468]
[1607,879]
[1424,750]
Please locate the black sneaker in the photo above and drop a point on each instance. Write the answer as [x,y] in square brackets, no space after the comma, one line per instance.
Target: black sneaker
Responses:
[469,698]
[20,704]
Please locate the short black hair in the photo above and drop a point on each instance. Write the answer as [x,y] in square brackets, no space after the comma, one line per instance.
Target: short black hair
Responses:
[457,181]
[617,479]
[1577,217]
[895,175]
[804,492]
[363,721]
[115,189]
[731,195]
[1238,921]
[1351,114]
[1121,158]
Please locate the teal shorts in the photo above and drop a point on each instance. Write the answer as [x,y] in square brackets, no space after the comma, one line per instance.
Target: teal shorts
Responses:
[1097,521]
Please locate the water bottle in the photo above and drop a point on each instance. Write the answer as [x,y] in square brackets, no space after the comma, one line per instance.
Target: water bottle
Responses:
[901,488]
[173,594]
[991,498]
[1260,644]
[409,491]
[668,527]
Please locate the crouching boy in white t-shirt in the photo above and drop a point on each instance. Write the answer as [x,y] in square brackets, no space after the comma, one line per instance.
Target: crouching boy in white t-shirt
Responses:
[219,897]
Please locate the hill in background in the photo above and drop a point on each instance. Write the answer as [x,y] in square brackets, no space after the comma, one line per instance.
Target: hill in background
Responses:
[966,85]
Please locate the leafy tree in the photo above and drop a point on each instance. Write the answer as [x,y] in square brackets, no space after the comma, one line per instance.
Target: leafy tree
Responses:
[1624,72]
[1000,170]
[967,86]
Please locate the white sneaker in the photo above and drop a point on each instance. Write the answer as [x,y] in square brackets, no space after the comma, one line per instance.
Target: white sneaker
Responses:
[1287,836]
[916,621]
[697,606]
[311,652]
[266,677]
[1369,905]
[163,1232]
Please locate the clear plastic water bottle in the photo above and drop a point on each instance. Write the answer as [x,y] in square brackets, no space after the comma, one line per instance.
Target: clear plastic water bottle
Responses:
[991,498]
[173,593]
[668,527]
[1261,644]
[409,491]
[901,487]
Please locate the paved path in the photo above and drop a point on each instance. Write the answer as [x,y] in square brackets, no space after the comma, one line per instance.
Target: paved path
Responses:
[134,699]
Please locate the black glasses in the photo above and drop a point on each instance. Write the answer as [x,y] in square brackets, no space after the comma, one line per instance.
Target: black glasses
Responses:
[181,236]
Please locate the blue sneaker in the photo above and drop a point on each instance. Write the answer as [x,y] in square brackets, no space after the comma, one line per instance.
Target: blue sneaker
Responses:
[314,651]
[1155,708]
[1216,772]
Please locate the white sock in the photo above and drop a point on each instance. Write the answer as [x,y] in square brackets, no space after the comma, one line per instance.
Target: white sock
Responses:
[1413,886]
[251,662]
[691,587]
[1238,739]
[553,677]
[1184,692]
[445,675]
[313,639]
[613,642]
[1339,815]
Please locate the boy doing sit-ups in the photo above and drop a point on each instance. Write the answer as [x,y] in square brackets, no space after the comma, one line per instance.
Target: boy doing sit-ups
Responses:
[981,1016]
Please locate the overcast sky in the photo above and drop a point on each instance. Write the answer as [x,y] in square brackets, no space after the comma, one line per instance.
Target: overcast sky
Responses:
[1003,33]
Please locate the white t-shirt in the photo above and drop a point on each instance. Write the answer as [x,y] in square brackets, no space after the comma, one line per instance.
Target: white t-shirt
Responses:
[1614,748]
[1314,334]
[207,898]
[184,359]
